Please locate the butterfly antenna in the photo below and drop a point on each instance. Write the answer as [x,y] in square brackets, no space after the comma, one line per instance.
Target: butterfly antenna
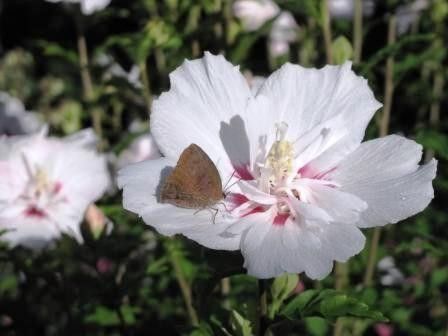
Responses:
[230,186]
[229,179]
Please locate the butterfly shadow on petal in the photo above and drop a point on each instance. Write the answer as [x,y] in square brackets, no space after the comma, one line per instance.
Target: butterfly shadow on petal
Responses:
[235,142]
[163,175]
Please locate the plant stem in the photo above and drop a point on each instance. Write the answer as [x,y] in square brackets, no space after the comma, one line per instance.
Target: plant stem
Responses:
[326,28]
[183,284]
[384,129]
[195,49]
[86,79]
[357,32]
[341,282]
[84,66]
[262,307]
[434,113]
[389,78]
[225,291]
[146,85]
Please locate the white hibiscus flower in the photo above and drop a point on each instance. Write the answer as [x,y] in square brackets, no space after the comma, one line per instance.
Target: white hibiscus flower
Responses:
[344,9]
[255,13]
[305,184]
[15,119]
[141,148]
[47,184]
[88,7]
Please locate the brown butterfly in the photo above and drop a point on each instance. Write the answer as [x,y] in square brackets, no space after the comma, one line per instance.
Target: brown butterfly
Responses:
[194,183]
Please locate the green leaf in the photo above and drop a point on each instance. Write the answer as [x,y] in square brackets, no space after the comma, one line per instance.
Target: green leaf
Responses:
[202,330]
[128,314]
[316,326]
[52,49]
[280,290]
[8,283]
[211,6]
[106,317]
[158,266]
[329,304]
[436,141]
[439,277]
[103,316]
[299,304]
[393,50]
[245,43]
[240,325]
[339,305]
[342,50]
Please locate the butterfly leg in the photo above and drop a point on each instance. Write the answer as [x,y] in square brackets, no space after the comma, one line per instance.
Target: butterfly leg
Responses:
[213,210]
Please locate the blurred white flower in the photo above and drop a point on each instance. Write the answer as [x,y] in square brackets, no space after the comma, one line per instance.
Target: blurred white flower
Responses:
[85,138]
[344,9]
[391,275]
[87,6]
[142,148]
[386,263]
[301,183]
[47,184]
[254,13]
[283,32]
[114,69]
[138,125]
[14,119]
[408,14]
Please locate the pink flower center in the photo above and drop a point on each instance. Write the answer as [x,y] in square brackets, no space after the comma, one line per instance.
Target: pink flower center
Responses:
[41,195]
[276,183]
[33,211]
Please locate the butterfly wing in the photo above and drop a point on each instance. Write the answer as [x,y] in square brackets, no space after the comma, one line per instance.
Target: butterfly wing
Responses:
[195,181]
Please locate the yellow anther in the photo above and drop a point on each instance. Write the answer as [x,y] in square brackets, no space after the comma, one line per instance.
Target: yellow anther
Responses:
[280,156]
[42,182]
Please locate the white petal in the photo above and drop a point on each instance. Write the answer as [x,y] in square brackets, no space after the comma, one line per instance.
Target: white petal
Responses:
[30,233]
[385,174]
[254,194]
[336,242]
[90,6]
[270,250]
[205,95]
[308,211]
[260,121]
[83,173]
[141,183]
[84,138]
[307,97]
[341,206]
[199,225]
[246,222]
[36,233]
[254,14]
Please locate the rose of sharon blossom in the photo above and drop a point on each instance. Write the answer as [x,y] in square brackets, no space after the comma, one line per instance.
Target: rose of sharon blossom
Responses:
[409,13]
[14,119]
[301,182]
[46,186]
[344,9]
[254,13]
[142,148]
[88,7]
